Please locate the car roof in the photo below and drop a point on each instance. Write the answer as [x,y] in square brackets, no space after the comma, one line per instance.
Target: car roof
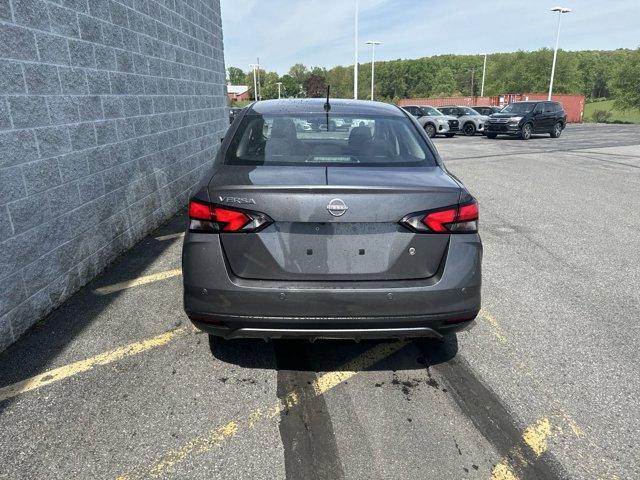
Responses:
[316,105]
[418,106]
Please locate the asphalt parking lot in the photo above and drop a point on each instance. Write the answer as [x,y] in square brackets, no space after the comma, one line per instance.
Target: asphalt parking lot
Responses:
[117,384]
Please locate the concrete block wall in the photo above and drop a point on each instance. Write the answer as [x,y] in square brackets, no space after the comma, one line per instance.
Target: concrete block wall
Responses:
[110,110]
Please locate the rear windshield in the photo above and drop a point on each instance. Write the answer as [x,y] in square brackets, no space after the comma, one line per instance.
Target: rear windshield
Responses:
[333,140]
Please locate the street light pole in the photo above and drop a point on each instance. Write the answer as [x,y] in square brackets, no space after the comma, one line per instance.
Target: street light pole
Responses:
[560,11]
[484,72]
[355,63]
[473,81]
[279,89]
[258,76]
[255,82]
[373,44]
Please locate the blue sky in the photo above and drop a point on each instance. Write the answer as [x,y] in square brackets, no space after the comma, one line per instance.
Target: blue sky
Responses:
[320,32]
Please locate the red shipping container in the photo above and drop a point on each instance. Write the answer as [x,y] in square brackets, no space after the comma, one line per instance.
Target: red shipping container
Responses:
[572,104]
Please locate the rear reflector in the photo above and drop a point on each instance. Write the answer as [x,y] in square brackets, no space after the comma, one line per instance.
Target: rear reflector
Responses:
[207,218]
[455,219]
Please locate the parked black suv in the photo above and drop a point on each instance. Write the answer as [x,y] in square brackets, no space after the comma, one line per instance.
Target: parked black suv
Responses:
[522,119]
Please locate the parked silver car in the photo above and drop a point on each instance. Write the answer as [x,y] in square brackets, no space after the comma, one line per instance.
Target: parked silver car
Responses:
[471,122]
[433,121]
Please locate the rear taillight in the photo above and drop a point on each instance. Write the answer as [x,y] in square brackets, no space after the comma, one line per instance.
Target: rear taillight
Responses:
[456,219]
[207,218]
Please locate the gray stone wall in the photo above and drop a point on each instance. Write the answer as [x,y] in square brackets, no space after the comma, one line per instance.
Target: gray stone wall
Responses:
[110,110]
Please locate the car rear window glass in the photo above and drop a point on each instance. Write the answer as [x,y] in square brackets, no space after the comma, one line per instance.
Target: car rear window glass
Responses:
[328,140]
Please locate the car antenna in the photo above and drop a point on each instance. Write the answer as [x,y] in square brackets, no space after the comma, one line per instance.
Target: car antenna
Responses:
[327,105]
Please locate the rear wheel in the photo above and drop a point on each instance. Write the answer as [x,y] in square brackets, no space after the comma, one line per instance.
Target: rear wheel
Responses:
[492,135]
[526,132]
[557,130]
[430,129]
[469,129]
[449,135]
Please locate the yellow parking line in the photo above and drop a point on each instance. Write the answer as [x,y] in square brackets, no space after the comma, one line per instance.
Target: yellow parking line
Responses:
[496,330]
[214,438]
[502,471]
[66,371]
[170,236]
[535,438]
[136,282]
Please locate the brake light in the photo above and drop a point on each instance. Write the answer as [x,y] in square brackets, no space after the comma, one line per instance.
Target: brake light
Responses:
[456,219]
[205,217]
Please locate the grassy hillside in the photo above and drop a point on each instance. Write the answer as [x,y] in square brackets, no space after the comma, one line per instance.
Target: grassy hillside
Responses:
[628,116]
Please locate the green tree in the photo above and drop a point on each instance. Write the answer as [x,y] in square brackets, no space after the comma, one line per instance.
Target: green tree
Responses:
[236,75]
[299,73]
[626,86]
[444,83]
[289,87]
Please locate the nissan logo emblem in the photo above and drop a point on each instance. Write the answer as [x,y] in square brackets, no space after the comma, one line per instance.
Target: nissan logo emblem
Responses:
[337,207]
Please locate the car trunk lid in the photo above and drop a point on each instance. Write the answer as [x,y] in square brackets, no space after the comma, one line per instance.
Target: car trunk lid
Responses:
[314,237]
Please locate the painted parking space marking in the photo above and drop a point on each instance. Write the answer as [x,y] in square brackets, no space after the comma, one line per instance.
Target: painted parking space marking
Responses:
[57,374]
[136,282]
[534,444]
[535,436]
[172,236]
[217,436]
[494,326]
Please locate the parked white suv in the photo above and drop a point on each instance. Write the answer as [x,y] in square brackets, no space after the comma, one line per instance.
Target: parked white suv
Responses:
[433,121]
[471,122]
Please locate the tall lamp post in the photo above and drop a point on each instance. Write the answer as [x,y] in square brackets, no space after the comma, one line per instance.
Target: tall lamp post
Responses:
[279,88]
[484,72]
[373,44]
[355,63]
[255,82]
[560,11]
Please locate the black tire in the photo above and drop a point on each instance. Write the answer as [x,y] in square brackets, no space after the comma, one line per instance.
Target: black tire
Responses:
[469,129]
[430,129]
[492,135]
[527,130]
[557,130]
[449,135]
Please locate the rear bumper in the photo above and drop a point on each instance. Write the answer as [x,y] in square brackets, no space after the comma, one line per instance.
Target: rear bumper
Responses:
[218,302]
[353,328]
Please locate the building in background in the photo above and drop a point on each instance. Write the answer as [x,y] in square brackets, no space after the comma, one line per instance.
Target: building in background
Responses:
[238,93]
[109,113]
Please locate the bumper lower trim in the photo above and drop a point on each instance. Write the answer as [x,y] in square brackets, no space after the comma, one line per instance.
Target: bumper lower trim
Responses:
[334,334]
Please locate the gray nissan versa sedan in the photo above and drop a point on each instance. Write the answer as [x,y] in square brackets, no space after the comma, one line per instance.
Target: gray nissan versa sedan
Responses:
[353,233]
